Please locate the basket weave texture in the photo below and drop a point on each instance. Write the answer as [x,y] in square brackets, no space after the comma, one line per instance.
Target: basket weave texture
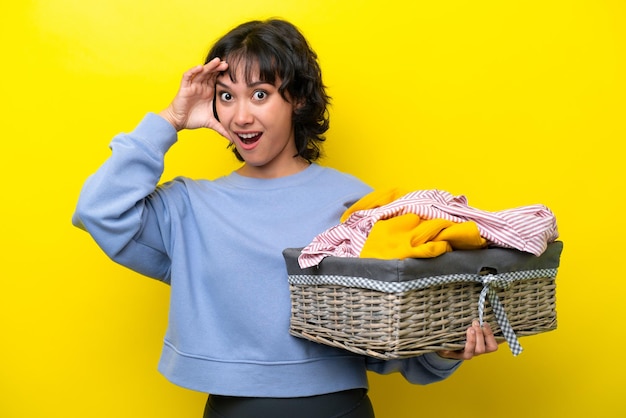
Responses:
[404,315]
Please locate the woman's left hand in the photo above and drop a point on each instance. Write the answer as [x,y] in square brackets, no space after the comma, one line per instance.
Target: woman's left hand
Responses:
[480,340]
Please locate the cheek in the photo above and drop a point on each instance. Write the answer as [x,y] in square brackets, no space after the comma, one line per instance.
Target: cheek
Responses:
[283,112]
[220,112]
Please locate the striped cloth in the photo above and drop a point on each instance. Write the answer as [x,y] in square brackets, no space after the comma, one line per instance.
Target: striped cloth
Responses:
[527,228]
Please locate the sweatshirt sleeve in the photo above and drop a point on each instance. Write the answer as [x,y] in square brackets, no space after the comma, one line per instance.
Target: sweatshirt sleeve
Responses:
[421,370]
[115,207]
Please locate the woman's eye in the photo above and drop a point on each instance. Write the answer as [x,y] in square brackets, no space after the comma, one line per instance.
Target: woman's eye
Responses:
[225,96]
[260,95]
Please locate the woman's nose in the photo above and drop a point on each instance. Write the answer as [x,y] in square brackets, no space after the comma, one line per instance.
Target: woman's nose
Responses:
[243,115]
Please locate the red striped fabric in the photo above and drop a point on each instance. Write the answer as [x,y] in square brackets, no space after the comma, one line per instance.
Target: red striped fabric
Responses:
[527,228]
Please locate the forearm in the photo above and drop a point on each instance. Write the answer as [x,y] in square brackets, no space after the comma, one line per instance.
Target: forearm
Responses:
[422,370]
[113,199]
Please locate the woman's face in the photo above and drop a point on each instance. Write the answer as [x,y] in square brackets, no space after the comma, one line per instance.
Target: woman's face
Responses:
[259,121]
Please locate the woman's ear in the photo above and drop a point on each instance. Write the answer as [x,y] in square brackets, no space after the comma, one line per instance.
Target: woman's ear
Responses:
[299,104]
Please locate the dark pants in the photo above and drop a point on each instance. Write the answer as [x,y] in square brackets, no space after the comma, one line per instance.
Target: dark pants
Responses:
[346,404]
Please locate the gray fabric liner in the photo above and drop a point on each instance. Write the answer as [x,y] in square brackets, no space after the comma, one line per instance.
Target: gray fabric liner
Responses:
[500,260]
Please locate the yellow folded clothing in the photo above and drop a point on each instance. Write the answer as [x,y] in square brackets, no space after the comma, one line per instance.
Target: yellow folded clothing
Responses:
[409,236]
[374,200]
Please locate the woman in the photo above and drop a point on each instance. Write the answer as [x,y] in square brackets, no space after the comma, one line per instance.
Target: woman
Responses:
[219,243]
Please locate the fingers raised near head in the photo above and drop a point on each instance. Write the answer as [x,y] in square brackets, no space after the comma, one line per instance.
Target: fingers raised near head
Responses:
[211,69]
[216,64]
[202,73]
[190,75]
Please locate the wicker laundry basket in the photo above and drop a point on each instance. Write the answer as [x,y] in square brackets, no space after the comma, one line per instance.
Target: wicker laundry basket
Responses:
[401,308]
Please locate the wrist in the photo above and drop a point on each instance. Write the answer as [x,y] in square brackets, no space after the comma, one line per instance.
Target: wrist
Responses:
[449,355]
[167,115]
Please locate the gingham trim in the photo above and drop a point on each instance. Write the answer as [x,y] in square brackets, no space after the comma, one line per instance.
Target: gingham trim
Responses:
[394,287]
[489,281]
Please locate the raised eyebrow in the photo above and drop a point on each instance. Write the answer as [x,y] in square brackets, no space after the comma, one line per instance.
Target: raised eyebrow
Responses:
[259,83]
[219,83]
[250,85]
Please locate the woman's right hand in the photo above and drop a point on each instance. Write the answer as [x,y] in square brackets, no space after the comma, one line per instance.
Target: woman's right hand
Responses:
[192,106]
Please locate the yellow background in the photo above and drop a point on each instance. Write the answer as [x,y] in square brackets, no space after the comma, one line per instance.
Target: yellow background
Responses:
[508,102]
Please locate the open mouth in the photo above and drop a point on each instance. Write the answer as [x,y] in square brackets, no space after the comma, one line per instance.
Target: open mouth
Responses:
[249,138]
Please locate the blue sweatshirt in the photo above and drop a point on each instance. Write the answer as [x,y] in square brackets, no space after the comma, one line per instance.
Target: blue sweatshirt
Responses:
[219,244]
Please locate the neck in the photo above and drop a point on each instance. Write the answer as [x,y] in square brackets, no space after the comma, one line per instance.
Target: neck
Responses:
[265,172]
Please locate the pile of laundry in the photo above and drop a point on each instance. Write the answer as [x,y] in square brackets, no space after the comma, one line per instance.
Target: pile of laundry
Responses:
[394,224]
